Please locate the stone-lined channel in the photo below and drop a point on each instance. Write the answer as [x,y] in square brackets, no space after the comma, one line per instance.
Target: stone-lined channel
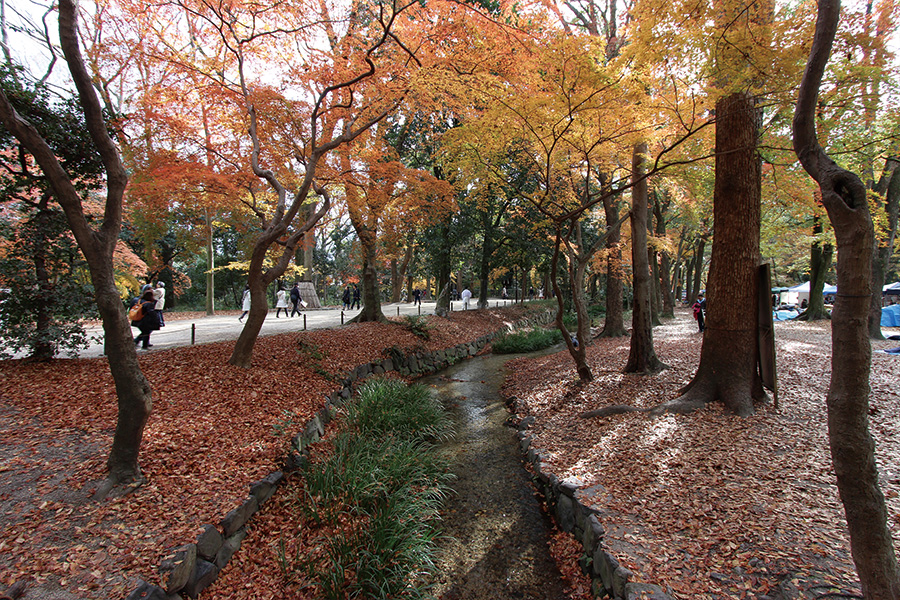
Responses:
[497,535]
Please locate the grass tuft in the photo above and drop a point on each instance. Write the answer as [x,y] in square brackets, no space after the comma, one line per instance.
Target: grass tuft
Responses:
[376,497]
[526,341]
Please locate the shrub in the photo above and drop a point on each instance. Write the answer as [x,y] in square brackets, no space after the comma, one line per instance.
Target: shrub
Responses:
[526,341]
[418,325]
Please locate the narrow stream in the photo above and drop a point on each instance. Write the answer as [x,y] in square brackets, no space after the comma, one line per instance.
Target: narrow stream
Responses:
[497,546]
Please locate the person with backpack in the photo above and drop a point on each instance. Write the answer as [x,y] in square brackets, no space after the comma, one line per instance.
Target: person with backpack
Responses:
[143,315]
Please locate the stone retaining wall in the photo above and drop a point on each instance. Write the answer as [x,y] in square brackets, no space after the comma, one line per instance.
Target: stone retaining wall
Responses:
[608,577]
[191,568]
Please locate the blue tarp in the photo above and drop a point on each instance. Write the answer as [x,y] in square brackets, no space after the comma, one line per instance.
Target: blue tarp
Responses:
[784,315]
[890,316]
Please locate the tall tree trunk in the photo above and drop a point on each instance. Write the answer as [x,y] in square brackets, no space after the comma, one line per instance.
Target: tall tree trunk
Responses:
[371,297]
[614,324]
[698,270]
[210,266]
[132,388]
[819,264]
[42,349]
[642,357]
[728,359]
[398,273]
[690,294]
[655,293]
[579,352]
[442,271]
[852,447]
[668,304]
[889,187]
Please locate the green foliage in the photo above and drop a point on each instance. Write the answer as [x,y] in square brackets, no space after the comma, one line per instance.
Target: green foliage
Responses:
[43,276]
[389,407]
[417,326]
[526,341]
[384,484]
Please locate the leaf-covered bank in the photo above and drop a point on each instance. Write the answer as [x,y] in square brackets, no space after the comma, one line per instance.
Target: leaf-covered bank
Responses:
[710,505]
[212,431]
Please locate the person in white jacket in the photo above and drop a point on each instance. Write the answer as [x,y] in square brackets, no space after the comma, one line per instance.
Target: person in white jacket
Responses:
[245,303]
[465,297]
[159,294]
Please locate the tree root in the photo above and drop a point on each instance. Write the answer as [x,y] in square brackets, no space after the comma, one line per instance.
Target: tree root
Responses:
[112,487]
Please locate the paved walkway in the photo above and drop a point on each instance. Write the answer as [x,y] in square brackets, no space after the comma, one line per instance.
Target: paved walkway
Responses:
[183,332]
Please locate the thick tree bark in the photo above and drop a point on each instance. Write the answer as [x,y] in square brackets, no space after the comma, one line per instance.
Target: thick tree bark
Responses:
[132,388]
[889,187]
[852,447]
[819,264]
[614,324]
[642,357]
[728,359]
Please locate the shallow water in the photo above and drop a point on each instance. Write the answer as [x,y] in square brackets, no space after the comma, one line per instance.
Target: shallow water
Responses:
[497,546]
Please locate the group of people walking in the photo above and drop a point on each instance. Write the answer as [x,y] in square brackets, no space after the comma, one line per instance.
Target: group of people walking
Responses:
[281,302]
[146,312]
[350,298]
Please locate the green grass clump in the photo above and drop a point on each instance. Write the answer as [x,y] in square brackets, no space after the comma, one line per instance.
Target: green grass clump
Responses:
[376,497]
[418,325]
[526,341]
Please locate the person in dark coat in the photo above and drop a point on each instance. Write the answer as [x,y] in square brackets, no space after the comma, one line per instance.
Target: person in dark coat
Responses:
[345,298]
[149,322]
[295,299]
[355,297]
[699,310]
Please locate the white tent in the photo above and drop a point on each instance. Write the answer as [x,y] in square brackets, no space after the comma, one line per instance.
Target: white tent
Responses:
[796,294]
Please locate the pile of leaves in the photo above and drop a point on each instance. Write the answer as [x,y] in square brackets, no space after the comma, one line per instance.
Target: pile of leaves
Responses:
[212,432]
[709,505]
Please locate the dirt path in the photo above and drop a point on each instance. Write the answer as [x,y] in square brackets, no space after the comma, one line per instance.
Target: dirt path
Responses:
[497,544]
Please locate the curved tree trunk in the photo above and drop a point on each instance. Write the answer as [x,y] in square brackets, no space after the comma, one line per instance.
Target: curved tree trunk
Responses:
[579,353]
[132,388]
[728,359]
[642,357]
[852,447]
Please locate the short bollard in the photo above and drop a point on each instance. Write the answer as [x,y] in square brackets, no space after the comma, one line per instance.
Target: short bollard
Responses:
[398,311]
[193,333]
[304,322]
[420,309]
[342,317]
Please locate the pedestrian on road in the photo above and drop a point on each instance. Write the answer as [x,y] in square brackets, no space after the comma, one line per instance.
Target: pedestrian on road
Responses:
[148,322]
[281,302]
[295,299]
[160,295]
[504,294]
[345,298]
[417,297]
[465,297]
[245,303]
[355,297]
